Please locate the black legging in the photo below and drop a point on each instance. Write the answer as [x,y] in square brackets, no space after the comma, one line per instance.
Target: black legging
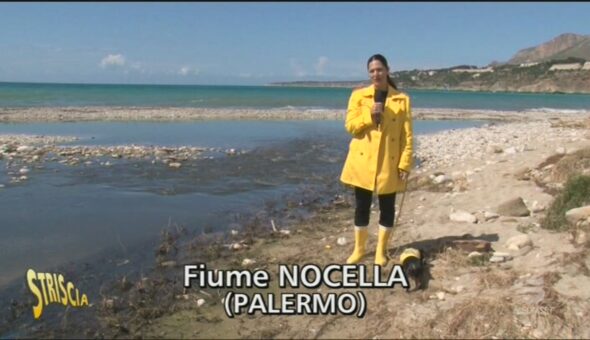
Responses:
[363,208]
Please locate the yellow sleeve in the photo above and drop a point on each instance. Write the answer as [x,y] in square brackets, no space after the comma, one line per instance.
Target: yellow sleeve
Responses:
[356,121]
[405,162]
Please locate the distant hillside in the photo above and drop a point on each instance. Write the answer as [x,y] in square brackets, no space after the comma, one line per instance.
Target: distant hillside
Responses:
[348,83]
[570,75]
[562,47]
[559,65]
[535,77]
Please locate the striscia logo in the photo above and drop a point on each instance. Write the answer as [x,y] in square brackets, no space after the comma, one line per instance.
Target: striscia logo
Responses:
[52,288]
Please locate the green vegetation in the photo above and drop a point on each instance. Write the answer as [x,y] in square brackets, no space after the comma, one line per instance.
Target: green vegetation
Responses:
[575,194]
[504,77]
[533,76]
[480,261]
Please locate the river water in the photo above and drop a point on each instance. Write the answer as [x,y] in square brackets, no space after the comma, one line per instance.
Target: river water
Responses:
[65,214]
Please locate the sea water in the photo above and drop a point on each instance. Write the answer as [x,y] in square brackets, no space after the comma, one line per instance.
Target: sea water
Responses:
[64,214]
[266,97]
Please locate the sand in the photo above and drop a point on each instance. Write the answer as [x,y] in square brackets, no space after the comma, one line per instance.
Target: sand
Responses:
[537,292]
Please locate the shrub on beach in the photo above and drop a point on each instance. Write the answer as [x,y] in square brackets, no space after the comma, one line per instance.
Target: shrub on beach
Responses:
[575,194]
[577,163]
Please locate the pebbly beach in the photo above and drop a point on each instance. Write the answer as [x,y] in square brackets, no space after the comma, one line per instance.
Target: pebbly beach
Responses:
[194,171]
[476,206]
[462,194]
[126,113]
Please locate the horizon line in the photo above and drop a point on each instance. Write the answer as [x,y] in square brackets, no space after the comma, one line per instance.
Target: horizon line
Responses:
[108,83]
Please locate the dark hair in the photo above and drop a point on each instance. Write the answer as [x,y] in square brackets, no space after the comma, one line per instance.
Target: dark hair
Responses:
[383,61]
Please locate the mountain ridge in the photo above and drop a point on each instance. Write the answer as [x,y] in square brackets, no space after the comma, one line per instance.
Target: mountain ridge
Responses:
[560,65]
[563,46]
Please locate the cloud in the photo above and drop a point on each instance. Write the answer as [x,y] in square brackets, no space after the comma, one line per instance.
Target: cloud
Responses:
[112,60]
[184,71]
[320,65]
[318,68]
[187,70]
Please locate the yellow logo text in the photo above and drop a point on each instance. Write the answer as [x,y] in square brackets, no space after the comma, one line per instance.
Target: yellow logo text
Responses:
[51,288]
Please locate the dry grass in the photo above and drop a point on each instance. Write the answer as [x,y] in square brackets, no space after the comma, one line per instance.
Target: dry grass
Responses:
[551,300]
[480,318]
[494,278]
[550,320]
[453,258]
[457,258]
[504,317]
[571,165]
[553,159]
[426,184]
[577,259]
[555,315]
[575,194]
[494,315]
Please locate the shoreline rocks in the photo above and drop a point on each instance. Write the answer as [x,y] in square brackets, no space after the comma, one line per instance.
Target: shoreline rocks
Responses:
[576,215]
[462,216]
[23,154]
[121,113]
[518,242]
[514,207]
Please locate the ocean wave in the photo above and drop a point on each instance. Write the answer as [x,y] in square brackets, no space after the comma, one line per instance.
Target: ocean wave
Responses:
[305,108]
[545,110]
[554,110]
[461,111]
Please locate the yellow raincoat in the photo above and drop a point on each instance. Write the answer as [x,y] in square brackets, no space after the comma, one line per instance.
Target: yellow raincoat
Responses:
[376,154]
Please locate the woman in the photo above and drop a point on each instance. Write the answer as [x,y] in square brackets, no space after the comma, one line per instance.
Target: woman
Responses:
[380,154]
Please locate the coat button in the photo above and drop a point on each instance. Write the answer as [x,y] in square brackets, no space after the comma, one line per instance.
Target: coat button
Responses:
[393,119]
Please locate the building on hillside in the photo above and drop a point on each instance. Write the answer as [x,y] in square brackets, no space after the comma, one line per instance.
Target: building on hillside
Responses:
[528,64]
[473,70]
[565,67]
[586,66]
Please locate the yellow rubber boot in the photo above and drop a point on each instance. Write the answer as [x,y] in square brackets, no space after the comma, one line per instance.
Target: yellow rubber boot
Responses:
[381,252]
[361,234]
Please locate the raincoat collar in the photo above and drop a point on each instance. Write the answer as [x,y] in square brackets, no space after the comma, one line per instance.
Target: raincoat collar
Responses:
[369,91]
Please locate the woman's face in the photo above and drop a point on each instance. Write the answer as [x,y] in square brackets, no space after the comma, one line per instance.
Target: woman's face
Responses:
[378,73]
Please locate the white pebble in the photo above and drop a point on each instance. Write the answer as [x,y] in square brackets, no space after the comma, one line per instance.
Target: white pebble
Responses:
[247,262]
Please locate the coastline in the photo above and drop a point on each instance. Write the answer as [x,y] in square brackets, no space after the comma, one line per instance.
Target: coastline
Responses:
[511,297]
[459,89]
[165,114]
[480,168]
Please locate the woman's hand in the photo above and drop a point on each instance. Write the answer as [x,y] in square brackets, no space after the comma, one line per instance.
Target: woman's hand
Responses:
[403,175]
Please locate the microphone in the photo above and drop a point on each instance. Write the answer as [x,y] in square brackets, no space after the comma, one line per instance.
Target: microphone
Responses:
[379,98]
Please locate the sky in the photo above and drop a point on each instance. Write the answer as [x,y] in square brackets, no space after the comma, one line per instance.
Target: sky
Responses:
[258,43]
